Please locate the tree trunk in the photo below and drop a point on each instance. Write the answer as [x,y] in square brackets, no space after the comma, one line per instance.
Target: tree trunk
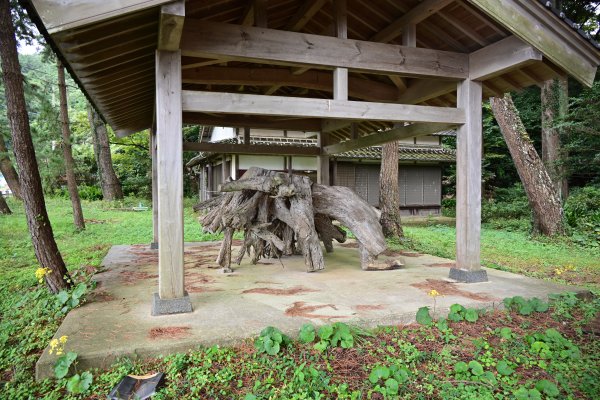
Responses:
[9,172]
[109,182]
[38,222]
[554,106]
[541,192]
[389,192]
[67,151]
[4,208]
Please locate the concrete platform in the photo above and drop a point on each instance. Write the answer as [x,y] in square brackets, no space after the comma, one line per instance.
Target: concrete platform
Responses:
[228,308]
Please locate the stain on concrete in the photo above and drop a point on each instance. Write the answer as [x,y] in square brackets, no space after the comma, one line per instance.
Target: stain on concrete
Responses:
[450,289]
[169,332]
[441,265]
[100,296]
[132,277]
[280,292]
[368,307]
[300,309]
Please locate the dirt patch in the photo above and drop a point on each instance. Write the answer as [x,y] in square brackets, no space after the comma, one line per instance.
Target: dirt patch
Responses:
[169,332]
[143,255]
[195,282]
[133,277]
[300,309]
[94,221]
[351,245]
[200,289]
[280,292]
[450,289]
[368,307]
[267,283]
[100,296]
[441,265]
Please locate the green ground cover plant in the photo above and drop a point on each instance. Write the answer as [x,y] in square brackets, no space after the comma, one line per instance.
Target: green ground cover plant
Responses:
[546,353]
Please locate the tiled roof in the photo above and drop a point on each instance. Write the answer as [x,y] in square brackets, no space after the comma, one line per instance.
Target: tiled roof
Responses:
[572,24]
[405,152]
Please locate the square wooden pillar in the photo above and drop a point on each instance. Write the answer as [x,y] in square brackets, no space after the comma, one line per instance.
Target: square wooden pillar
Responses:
[322,162]
[154,244]
[171,297]
[468,185]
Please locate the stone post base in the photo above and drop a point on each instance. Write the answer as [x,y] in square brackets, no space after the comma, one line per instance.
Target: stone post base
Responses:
[154,246]
[463,275]
[171,306]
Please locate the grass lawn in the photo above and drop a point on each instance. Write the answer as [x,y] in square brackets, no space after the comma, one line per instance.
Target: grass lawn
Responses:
[501,355]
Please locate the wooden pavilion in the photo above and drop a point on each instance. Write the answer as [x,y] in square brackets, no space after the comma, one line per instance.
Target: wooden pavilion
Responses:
[360,72]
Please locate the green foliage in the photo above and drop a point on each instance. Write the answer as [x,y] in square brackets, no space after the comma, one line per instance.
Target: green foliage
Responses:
[525,307]
[506,204]
[387,380]
[582,213]
[504,369]
[307,333]
[423,316]
[80,383]
[89,193]
[63,364]
[337,334]
[459,313]
[67,300]
[270,341]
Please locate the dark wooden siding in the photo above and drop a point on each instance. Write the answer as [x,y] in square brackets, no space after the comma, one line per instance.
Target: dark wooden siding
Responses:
[420,186]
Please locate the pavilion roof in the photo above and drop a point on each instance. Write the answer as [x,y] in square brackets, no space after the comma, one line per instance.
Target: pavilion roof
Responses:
[110,51]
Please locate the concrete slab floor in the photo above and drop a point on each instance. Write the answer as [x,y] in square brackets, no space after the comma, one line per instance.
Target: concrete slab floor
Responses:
[227,308]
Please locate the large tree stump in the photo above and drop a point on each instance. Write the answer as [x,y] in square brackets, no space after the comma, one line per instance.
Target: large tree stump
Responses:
[283,214]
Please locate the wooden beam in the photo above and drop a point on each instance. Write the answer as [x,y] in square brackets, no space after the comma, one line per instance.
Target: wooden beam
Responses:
[238,43]
[154,243]
[169,141]
[419,13]
[233,103]
[421,90]
[501,57]
[323,176]
[532,23]
[255,149]
[468,178]
[172,16]
[401,132]
[314,80]
[59,15]
[241,121]
[304,14]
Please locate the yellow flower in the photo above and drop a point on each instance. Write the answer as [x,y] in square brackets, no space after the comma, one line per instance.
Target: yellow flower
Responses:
[54,346]
[63,339]
[40,273]
[558,271]
[434,293]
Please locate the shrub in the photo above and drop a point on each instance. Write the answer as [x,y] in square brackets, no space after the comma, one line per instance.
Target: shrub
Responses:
[582,214]
[507,203]
[90,193]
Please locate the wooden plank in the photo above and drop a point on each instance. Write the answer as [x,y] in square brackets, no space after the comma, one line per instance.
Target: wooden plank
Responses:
[172,16]
[60,15]
[501,57]
[468,177]
[255,149]
[304,14]
[233,103]
[233,42]
[154,189]
[419,13]
[241,121]
[314,80]
[169,140]
[401,132]
[529,21]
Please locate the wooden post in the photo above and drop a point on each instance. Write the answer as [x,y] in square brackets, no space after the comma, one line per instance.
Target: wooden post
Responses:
[224,172]
[171,297]
[154,244]
[209,181]
[468,186]
[322,161]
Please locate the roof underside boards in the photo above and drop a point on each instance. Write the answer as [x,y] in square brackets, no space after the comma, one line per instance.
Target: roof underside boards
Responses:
[112,55]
